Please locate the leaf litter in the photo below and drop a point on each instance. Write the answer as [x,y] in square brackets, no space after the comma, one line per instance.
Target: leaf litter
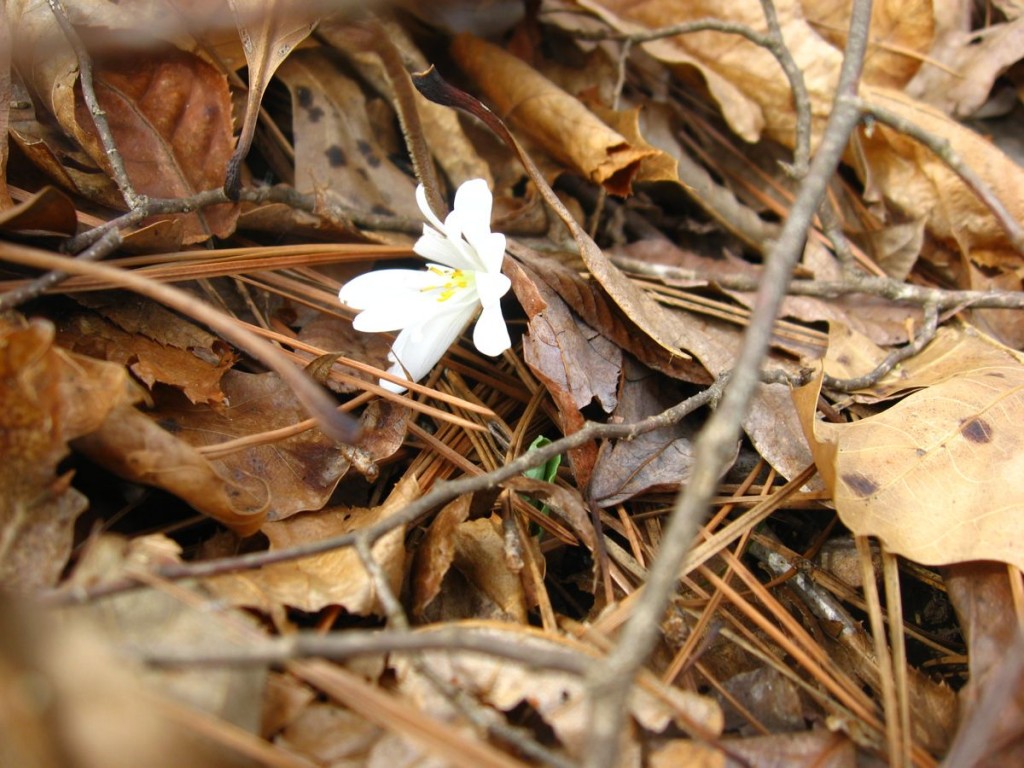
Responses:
[179,533]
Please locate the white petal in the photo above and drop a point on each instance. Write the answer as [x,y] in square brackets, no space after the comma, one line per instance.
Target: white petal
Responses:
[490,335]
[395,315]
[417,351]
[473,205]
[428,214]
[436,247]
[490,288]
[490,250]
[373,287]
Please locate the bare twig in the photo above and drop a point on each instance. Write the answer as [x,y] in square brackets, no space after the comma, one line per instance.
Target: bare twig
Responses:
[894,358]
[106,245]
[883,287]
[354,642]
[945,152]
[99,117]
[439,494]
[609,683]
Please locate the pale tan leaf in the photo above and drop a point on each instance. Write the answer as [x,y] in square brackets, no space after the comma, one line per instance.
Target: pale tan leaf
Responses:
[557,697]
[332,578]
[901,34]
[936,477]
[921,185]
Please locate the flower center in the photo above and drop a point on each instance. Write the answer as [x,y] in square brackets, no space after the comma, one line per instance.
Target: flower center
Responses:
[454,281]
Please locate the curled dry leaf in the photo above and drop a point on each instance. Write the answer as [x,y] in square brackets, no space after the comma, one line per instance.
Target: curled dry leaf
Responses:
[332,578]
[921,185]
[552,118]
[937,477]
[47,398]
[48,210]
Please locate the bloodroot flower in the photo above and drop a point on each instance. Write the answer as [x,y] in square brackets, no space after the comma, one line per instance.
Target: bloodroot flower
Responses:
[433,307]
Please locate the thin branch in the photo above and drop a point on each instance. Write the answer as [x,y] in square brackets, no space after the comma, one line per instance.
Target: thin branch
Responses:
[416,511]
[894,358]
[103,247]
[609,684]
[99,117]
[883,287]
[945,152]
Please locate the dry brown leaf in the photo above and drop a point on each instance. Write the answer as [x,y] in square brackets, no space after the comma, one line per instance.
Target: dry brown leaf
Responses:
[48,210]
[47,398]
[1000,270]
[992,701]
[296,473]
[742,112]
[575,364]
[563,502]
[688,752]
[269,30]
[332,578]
[973,60]
[436,553]
[552,118]
[337,145]
[148,360]
[557,697]
[132,445]
[331,735]
[759,93]
[46,147]
[482,583]
[901,34]
[444,134]
[162,622]
[920,185]
[170,114]
[817,748]
[657,460]
[169,111]
[88,706]
[937,476]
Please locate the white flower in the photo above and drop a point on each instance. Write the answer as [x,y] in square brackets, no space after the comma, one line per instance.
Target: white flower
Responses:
[433,307]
